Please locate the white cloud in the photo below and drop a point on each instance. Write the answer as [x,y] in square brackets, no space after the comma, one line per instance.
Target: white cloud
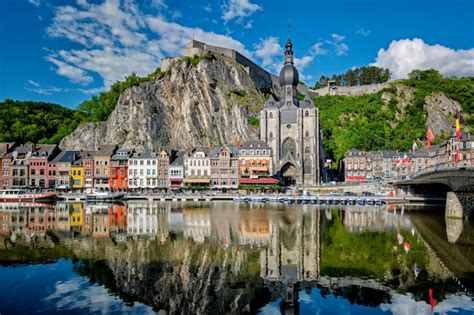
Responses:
[362,31]
[269,51]
[271,54]
[406,55]
[208,8]
[36,88]
[75,75]
[78,294]
[248,25]
[36,3]
[238,9]
[337,43]
[115,38]
[405,304]
[36,84]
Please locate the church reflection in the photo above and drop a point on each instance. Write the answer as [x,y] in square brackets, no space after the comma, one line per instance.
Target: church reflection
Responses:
[284,251]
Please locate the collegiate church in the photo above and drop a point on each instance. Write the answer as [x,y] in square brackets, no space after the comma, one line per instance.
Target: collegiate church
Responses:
[291,128]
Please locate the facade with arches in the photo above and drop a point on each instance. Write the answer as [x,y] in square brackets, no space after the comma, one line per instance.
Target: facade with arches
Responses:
[290,127]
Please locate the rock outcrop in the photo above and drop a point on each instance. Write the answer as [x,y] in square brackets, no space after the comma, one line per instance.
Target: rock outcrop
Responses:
[190,104]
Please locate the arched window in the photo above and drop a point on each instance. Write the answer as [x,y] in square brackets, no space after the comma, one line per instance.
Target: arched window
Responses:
[306,134]
[306,150]
[270,135]
[270,115]
[288,91]
[307,166]
[306,113]
[289,146]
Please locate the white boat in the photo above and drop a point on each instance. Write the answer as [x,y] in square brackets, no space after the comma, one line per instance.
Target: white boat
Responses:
[20,195]
[96,195]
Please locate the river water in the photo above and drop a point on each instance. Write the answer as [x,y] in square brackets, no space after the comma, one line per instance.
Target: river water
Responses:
[224,257]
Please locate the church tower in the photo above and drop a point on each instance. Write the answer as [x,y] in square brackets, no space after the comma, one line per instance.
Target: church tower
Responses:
[291,128]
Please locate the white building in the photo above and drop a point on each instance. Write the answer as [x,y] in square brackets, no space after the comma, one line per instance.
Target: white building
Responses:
[142,170]
[197,167]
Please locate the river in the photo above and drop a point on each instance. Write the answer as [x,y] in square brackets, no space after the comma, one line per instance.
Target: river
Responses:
[225,257]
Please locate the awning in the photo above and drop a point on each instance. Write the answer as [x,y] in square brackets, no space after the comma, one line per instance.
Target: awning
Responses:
[258,181]
[197,180]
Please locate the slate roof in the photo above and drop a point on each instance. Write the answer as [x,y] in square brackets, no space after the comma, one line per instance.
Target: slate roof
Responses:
[254,144]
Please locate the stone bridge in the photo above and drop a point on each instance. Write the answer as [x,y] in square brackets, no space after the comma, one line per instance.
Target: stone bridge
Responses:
[456,183]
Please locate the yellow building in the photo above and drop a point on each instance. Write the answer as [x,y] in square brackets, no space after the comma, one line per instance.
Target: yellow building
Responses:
[76,215]
[77,175]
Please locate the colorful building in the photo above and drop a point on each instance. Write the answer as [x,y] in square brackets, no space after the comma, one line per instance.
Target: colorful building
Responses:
[255,163]
[87,158]
[164,156]
[176,171]
[142,170]
[5,147]
[19,165]
[77,174]
[118,178]
[224,167]
[102,166]
[197,167]
[38,164]
[64,163]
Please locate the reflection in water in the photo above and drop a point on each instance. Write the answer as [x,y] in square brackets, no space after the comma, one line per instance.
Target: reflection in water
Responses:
[229,257]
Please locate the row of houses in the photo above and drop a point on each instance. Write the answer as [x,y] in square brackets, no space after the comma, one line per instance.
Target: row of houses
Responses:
[213,167]
[361,166]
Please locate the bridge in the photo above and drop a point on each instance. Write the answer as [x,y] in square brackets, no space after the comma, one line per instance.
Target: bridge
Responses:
[456,183]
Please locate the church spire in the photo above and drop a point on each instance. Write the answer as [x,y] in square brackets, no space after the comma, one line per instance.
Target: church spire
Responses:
[288,51]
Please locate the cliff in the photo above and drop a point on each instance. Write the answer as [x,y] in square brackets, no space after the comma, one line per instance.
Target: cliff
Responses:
[197,101]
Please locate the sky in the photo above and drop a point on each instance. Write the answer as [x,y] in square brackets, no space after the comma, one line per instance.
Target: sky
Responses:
[67,51]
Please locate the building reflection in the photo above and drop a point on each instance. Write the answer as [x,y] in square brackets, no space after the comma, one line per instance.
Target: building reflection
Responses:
[291,259]
[282,248]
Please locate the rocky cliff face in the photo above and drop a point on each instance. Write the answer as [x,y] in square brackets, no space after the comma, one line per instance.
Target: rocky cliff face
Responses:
[178,277]
[188,105]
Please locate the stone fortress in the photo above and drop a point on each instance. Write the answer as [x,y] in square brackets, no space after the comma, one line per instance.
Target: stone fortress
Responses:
[262,78]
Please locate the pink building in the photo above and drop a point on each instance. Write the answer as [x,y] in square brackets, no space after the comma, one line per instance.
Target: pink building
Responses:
[38,164]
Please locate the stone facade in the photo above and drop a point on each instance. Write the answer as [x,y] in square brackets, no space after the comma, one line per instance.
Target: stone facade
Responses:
[291,128]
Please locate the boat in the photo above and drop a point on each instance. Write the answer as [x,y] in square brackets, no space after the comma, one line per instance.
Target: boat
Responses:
[96,195]
[20,195]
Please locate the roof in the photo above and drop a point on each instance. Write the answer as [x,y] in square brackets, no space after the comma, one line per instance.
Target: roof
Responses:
[258,181]
[251,144]
[107,149]
[44,150]
[66,157]
[232,148]
[144,155]
[21,149]
[121,154]
[179,160]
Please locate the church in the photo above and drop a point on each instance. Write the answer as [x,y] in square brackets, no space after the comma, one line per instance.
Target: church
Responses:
[291,128]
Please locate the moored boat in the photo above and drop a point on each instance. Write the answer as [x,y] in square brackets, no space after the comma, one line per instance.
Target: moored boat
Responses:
[96,195]
[20,195]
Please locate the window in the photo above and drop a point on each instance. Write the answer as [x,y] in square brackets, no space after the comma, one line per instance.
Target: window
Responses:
[270,135]
[270,115]
[306,133]
[306,113]
[288,147]
[306,150]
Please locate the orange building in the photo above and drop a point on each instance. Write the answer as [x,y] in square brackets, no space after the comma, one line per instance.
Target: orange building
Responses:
[118,178]
[118,219]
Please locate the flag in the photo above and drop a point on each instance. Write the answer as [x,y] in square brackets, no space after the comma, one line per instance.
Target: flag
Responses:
[458,129]
[429,137]
[414,148]
[405,159]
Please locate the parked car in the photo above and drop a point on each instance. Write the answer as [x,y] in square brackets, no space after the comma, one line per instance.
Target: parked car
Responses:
[349,193]
[367,194]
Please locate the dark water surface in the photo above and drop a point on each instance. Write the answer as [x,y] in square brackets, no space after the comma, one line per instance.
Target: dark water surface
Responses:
[218,258]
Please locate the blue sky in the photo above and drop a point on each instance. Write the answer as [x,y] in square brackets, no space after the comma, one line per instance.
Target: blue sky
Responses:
[65,51]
